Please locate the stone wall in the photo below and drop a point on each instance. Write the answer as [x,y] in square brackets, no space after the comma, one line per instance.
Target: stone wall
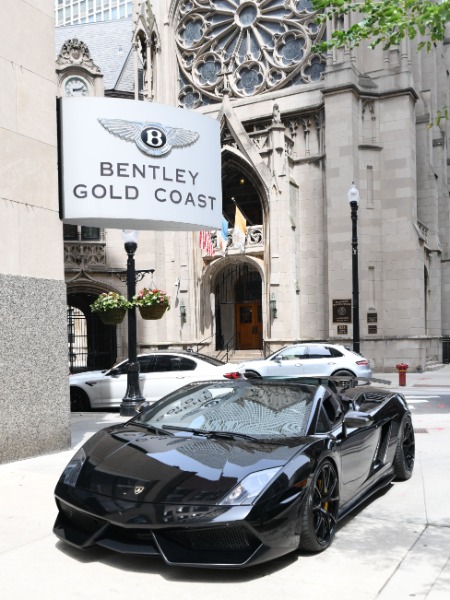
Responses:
[34,390]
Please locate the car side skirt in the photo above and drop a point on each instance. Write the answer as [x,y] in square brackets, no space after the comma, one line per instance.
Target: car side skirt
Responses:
[362,497]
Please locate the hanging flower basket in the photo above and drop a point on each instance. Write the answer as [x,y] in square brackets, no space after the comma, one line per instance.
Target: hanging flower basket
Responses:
[111,307]
[114,316]
[152,303]
[152,312]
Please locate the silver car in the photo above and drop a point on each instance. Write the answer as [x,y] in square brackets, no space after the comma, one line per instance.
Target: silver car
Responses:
[160,373]
[309,359]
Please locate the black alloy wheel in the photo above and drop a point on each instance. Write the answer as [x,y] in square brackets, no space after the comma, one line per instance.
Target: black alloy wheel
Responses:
[79,402]
[406,450]
[320,514]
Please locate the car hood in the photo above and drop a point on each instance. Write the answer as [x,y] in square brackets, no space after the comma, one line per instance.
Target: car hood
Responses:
[87,376]
[129,463]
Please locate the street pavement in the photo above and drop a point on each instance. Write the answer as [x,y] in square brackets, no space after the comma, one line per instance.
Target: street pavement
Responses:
[396,547]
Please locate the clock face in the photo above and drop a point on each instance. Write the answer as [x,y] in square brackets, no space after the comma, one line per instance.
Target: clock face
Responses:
[75,86]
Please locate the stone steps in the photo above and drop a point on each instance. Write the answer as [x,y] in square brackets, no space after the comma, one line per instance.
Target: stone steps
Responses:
[239,356]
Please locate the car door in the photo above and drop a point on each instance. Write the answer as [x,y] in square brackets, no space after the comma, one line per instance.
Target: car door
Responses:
[356,446]
[113,386]
[287,363]
[167,373]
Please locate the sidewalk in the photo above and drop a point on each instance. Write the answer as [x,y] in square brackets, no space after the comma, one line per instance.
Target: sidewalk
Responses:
[395,548]
[439,378]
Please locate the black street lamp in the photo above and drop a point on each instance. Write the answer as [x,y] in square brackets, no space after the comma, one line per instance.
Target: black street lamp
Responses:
[353,198]
[133,396]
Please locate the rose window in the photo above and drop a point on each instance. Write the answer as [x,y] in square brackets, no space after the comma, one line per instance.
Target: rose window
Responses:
[247,46]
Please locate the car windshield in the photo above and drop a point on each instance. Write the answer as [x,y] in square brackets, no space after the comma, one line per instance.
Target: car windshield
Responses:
[257,409]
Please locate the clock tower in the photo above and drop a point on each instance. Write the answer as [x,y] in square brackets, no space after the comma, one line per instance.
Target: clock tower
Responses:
[77,74]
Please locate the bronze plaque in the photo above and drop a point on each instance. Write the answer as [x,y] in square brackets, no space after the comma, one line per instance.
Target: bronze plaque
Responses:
[342,311]
[373,328]
[372,317]
[342,329]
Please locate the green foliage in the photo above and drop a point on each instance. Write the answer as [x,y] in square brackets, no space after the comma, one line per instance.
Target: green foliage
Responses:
[146,297]
[386,22]
[151,297]
[441,114]
[109,300]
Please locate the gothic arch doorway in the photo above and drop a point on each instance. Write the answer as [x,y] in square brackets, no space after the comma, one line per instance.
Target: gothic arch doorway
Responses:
[238,307]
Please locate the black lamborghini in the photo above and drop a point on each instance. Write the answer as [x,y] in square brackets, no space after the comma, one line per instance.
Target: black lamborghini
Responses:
[229,474]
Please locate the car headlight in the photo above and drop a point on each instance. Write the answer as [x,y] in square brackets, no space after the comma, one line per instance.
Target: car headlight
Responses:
[73,469]
[248,490]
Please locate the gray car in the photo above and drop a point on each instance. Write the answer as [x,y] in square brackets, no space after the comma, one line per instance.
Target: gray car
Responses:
[310,359]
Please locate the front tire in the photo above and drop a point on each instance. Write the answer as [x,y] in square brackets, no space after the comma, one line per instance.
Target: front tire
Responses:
[406,450]
[343,373]
[79,402]
[320,513]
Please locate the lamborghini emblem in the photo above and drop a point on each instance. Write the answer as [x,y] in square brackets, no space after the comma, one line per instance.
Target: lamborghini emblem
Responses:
[152,139]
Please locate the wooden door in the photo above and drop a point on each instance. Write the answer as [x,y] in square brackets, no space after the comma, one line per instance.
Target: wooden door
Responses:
[249,325]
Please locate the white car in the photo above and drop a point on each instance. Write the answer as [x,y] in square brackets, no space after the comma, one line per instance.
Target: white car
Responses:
[309,359]
[160,373]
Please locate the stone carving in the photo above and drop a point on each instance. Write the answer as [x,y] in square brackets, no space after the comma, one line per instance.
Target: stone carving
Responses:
[83,256]
[76,53]
[276,115]
[254,239]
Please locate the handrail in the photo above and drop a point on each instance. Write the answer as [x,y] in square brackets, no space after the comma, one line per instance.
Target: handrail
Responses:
[230,345]
[202,343]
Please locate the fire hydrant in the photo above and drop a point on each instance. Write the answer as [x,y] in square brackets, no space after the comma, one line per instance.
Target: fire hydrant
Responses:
[402,368]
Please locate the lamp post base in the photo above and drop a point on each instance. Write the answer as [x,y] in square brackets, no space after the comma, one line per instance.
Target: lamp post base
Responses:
[129,408]
[133,397]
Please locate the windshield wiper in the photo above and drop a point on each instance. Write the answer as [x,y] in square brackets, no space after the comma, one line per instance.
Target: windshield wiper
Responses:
[149,426]
[206,433]
[234,434]
[187,429]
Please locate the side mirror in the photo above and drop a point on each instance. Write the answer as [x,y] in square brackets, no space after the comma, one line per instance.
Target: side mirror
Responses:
[115,372]
[355,419]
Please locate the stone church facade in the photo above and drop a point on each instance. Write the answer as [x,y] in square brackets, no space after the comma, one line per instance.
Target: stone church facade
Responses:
[297,129]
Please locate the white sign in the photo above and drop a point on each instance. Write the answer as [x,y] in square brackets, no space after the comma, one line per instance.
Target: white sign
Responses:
[128,164]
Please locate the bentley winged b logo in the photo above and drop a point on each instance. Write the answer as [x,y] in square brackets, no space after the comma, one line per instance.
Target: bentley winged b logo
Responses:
[152,139]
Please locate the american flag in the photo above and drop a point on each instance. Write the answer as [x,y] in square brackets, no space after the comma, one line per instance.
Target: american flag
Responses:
[205,243]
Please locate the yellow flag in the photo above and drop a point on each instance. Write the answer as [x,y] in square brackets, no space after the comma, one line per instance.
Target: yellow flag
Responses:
[240,230]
